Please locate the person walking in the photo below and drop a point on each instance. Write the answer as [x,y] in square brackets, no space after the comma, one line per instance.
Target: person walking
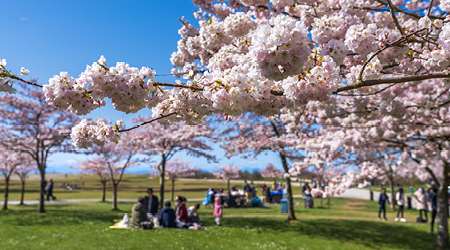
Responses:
[49,190]
[420,198]
[400,199]
[218,209]
[432,198]
[382,200]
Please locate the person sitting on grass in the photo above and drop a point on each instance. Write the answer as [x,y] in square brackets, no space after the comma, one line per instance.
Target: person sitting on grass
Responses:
[193,216]
[382,200]
[167,216]
[138,213]
[181,212]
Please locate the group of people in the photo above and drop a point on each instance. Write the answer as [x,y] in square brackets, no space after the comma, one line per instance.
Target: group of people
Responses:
[247,197]
[146,214]
[273,194]
[424,201]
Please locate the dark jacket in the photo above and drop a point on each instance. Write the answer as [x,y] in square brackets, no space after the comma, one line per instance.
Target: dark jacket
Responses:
[383,199]
[432,196]
[151,204]
[167,217]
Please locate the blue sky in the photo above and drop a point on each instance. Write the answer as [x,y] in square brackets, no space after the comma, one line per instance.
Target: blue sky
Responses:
[49,36]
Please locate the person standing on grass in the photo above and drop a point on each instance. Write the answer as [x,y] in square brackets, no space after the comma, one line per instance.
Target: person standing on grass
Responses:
[218,209]
[49,190]
[151,203]
[400,199]
[432,197]
[382,200]
[420,198]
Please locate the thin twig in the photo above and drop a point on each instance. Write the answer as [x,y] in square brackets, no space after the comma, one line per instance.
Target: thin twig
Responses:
[146,122]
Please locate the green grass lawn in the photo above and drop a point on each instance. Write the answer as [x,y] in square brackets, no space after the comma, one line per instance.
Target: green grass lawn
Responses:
[347,224]
[132,186]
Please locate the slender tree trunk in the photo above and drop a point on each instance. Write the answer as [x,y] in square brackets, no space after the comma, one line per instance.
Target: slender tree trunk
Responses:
[228,187]
[42,191]
[5,201]
[291,211]
[442,214]
[393,201]
[162,175]
[173,189]
[103,191]
[115,187]
[22,192]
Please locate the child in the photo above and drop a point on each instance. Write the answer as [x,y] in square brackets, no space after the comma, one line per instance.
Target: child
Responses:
[218,210]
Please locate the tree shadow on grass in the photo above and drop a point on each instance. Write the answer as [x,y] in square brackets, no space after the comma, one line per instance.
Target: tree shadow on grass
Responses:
[59,217]
[368,233]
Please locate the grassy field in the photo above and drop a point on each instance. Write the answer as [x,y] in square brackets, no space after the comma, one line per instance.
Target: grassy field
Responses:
[132,187]
[347,224]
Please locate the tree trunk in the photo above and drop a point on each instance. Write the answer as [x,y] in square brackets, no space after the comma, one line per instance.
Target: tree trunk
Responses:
[291,211]
[103,191]
[115,187]
[5,201]
[22,192]
[393,201]
[228,187]
[162,175]
[442,213]
[42,191]
[173,189]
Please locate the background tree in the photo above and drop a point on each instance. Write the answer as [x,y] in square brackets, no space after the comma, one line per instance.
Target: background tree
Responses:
[177,169]
[165,140]
[98,167]
[117,158]
[252,135]
[23,172]
[227,173]
[34,128]
[10,161]
[271,172]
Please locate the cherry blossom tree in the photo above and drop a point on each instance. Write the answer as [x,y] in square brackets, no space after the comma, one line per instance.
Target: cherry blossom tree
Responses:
[23,171]
[270,171]
[100,168]
[32,127]
[115,158]
[165,140]
[252,135]
[177,169]
[227,173]
[10,161]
